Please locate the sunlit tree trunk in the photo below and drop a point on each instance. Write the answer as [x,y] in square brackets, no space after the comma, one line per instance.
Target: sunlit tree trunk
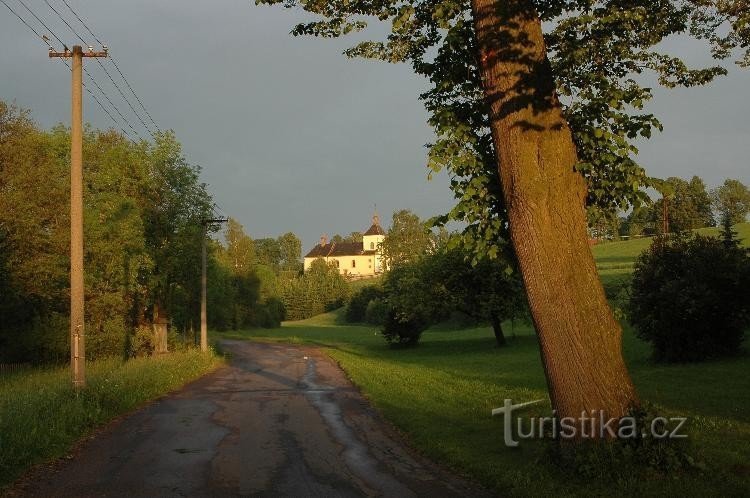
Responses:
[580,339]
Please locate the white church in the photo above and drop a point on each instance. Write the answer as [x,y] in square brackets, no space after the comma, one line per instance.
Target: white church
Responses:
[355,259]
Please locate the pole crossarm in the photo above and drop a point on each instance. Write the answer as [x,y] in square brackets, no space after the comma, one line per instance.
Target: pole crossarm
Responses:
[69,53]
[213,221]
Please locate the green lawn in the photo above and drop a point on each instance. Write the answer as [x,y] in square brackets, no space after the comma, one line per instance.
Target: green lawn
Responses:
[621,254]
[440,395]
[41,416]
[615,260]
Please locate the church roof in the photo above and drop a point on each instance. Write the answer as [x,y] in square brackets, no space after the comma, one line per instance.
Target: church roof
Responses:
[375,229]
[340,249]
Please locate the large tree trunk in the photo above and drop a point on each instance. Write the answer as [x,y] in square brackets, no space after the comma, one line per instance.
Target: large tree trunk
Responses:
[580,340]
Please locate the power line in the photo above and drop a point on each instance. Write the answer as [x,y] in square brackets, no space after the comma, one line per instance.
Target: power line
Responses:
[46,41]
[93,80]
[102,66]
[23,21]
[114,62]
[43,24]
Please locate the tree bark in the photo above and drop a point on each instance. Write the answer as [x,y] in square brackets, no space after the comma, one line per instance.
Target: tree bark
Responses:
[497,328]
[580,340]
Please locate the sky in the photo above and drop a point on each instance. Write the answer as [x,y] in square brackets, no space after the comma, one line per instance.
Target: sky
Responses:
[290,134]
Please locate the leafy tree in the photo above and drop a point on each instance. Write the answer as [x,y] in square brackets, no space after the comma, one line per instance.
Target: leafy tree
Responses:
[732,200]
[413,303]
[290,253]
[268,253]
[356,309]
[407,240]
[689,205]
[174,205]
[351,238]
[563,108]
[240,250]
[142,231]
[689,297]
[320,289]
[486,290]
[603,224]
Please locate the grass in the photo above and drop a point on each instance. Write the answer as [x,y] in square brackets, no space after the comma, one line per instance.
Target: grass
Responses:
[440,395]
[615,260]
[621,254]
[41,416]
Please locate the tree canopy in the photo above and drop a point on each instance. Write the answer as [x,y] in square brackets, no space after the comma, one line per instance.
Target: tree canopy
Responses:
[598,51]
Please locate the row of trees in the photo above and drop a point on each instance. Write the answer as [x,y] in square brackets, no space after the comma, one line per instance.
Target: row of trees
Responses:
[143,209]
[144,213]
[689,205]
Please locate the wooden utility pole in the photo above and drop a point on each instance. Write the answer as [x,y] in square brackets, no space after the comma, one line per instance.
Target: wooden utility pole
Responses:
[204,280]
[77,343]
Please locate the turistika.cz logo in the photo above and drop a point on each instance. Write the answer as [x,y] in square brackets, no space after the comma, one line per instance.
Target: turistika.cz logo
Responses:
[590,425]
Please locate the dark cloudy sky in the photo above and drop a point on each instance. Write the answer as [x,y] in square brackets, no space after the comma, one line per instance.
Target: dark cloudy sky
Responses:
[291,135]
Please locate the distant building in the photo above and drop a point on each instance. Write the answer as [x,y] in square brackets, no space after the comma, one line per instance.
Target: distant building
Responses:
[357,259]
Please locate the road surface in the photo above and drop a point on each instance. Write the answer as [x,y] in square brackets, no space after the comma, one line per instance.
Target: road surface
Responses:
[279,420]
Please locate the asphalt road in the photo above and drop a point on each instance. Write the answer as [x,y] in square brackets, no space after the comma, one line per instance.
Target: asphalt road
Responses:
[279,420]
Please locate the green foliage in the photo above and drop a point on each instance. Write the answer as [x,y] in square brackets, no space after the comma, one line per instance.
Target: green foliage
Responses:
[689,297]
[407,240]
[403,328]
[321,288]
[414,304]
[142,211]
[377,311]
[599,52]
[143,342]
[621,458]
[689,205]
[732,200]
[426,291]
[357,307]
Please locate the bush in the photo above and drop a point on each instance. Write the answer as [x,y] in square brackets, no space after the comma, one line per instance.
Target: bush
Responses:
[357,308]
[271,313]
[403,330]
[319,290]
[689,297]
[143,342]
[376,312]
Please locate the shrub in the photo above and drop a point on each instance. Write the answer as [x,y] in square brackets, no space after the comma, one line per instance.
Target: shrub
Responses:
[403,330]
[271,313]
[320,289]
[689,297]
[376,312]
[357,308]
[143,342]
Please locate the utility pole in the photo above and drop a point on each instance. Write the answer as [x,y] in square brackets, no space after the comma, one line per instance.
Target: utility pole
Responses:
[204,280]
[77,344]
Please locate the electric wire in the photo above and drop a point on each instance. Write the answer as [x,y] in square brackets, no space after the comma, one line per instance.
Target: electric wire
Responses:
[45,40]
[114,62]
[117,87]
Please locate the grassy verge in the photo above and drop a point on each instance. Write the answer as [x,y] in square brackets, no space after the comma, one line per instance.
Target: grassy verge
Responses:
[441,394]
[41,416]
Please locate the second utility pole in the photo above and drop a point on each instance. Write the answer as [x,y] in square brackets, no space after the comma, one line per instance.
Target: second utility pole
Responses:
[204,280]
[77,344]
